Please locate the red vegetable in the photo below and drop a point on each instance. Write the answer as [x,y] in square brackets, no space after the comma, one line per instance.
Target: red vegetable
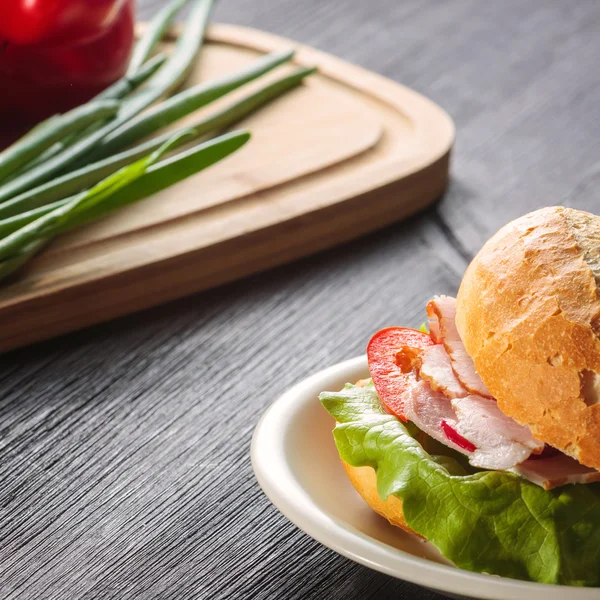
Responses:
[458,439]
[391,354]
[56,54]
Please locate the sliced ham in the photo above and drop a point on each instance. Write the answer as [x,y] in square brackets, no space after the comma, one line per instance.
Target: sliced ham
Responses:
[448,401]
[493,440]
[427,409]
[442,325]
[555,471]
[496,441]
[436,369]
[500,441]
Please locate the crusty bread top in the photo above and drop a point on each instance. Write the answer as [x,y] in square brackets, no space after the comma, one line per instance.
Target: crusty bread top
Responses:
[528,312]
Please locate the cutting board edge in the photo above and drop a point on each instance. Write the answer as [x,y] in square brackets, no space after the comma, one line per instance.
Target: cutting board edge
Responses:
[17,335]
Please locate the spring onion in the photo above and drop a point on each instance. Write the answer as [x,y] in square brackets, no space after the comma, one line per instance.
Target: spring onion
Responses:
[91,174]
[72,169]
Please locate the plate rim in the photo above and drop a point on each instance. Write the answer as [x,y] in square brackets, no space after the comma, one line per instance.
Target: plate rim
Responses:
[295,503]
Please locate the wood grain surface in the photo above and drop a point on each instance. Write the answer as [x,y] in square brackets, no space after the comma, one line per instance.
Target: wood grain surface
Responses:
[124,449]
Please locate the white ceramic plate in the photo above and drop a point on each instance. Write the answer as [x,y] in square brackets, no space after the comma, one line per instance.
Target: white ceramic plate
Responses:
[298,467]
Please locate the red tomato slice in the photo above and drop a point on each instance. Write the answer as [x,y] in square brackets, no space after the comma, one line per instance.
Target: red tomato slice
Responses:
[391,353]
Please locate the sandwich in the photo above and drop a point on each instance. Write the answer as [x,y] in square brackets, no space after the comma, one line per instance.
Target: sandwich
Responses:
[480,432]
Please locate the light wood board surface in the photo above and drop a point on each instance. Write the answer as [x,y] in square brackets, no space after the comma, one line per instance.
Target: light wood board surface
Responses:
[346,153]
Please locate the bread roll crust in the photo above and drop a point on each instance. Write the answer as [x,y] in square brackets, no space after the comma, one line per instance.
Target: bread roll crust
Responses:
[364,479]
[528,312]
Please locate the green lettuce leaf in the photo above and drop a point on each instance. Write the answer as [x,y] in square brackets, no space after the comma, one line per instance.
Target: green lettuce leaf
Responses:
[487,521]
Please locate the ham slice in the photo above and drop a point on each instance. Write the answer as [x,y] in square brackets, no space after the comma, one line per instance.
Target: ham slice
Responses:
[555,471]
[500,441]
[436,368]
[449,402]
[497,441]
[442,325]
[427,409]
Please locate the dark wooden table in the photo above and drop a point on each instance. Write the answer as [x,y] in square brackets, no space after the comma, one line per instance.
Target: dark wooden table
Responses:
[124,449]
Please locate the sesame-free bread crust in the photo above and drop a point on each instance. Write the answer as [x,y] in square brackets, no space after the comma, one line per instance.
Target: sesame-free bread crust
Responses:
[364,479]
[528,312]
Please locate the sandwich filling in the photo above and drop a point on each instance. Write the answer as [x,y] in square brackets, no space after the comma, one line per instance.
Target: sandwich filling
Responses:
[436,387]
[487,521]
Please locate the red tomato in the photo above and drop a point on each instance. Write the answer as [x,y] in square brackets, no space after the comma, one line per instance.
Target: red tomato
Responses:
[391,354]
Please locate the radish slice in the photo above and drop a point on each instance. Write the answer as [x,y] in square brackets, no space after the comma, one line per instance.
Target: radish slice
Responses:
[456,438]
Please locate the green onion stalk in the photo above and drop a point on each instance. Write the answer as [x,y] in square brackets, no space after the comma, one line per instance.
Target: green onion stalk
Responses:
[80,166]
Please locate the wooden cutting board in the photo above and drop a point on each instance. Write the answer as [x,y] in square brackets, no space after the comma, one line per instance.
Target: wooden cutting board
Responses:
[345,154]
